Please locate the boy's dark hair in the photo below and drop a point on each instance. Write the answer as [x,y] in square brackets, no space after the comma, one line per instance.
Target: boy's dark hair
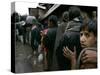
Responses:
[90,25]
[74,12]
[53,19]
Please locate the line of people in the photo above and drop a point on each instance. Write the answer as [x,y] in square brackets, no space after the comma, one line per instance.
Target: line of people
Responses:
[74,47]
[70,45]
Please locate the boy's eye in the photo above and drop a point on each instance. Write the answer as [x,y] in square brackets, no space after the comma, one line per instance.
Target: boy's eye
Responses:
[86,34]
[81,34]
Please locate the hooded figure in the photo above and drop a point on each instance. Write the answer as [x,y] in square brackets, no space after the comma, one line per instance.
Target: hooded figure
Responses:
[35,35]
[65,18]
[50,40]
[71,38]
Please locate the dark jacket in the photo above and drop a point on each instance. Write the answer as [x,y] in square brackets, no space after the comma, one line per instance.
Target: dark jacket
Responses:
[70,39]
[50,42]
[35,38]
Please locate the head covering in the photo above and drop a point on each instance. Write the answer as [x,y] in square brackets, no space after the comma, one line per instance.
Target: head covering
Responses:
[34,21]
[65,16]
[74,12]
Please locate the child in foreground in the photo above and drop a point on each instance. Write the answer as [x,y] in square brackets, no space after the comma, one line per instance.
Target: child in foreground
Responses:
[88,55]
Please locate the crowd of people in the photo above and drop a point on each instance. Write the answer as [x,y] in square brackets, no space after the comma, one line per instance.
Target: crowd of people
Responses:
[70,45]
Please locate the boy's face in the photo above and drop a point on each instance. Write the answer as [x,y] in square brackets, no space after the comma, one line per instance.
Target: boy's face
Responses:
[87,39]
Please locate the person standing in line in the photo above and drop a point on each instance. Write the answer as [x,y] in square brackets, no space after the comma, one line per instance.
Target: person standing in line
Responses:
[50,39]
[70,38]
[65,19]
[35,36]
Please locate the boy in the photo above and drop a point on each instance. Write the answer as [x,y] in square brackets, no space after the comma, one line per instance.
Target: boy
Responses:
[88,40]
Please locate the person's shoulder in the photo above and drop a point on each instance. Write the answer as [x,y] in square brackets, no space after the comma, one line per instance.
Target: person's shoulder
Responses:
[65,35]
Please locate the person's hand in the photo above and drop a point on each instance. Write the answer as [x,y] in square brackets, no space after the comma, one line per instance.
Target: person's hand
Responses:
[69,54]
[89,56]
